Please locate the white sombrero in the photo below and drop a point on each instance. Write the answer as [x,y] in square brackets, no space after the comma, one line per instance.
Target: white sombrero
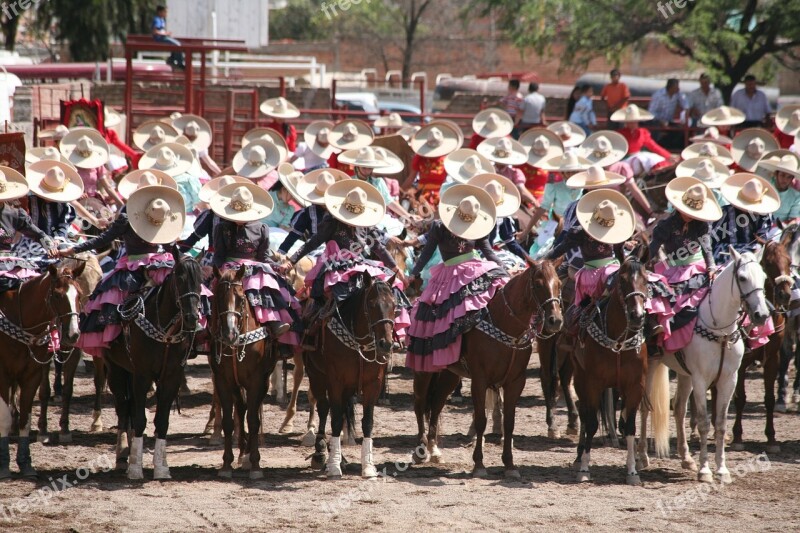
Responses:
[156,214]
[145,178]
[85,148]
[196,129]
[392,120]
[570,133]
[631,113]
[269,135]
[351,135]
[750,146]
[12,184]
[751,193]
[407,132]
[242,202]
[453,125]
[594,178]
[465,163]
[312,186]
[435,140]
[212,187]
[710,171]
[722,116]
[708,149]
[316,138]
[787,119]
[56,134]
[542,145]
[693,198]
[290,177]
[779,160]
[173,158]
[493,122]
[54,181]
[279,108]
[197,167]
[711,134]
[111,118]
[604,148]
[395,164]
[467,211]
[606,215]
[363,157]
[152,133]
[502,190]
[503,150]
[44,153]
[567,162]
[256,159]
[355,202]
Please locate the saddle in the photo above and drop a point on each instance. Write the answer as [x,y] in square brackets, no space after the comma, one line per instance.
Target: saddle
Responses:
[314,316]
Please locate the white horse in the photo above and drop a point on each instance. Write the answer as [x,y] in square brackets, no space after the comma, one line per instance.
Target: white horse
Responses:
[711,357]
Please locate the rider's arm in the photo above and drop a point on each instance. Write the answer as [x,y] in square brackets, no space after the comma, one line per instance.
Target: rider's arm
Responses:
[65,221]
[323,235]
[432,241]
[486,251]
[203,226]
[301,222]
[509,239]
[25,225]
[116,230]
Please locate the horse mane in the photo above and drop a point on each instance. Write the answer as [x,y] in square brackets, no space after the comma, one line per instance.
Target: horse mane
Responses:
[190,265]
[775,253]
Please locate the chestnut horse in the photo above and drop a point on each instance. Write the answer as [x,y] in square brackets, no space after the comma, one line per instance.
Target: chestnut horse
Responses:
[496,356]
[37,308]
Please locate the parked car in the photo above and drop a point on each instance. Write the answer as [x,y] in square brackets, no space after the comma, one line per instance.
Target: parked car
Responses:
[402,108]
[359,102]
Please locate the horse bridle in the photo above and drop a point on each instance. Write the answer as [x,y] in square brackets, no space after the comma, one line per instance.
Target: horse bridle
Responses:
[537,322]
[240,315]
[738,264]
[370,336]
[181,297]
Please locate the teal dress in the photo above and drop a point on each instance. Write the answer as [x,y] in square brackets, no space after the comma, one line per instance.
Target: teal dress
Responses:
[281,216]
[189,187]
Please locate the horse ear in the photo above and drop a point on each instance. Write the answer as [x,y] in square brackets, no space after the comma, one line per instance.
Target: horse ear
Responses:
[241,272]
[176,252]
[760,253]
[530,261]
[217,273]
[391,280]
[734,254]
[642,253]
[76,272]
[53,270]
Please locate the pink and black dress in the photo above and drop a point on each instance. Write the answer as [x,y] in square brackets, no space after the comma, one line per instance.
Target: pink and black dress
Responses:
[271,298]
[14,270]
[450,305]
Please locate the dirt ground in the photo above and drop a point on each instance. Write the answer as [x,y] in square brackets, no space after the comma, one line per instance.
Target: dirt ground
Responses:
[430,497]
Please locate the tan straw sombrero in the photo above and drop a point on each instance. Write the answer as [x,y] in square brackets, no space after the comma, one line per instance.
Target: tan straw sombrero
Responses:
[242,202]
[152,133]
[351,135]
[453,125]
[502,190]
[693,198]
[710,171]
[541,144]
[269,135]
[173,158]
[256,159]
[779,161]
[751,193]
[407,132]
[12,184]
[312,186]
[145,178]
[787,119]
[195,128]
[568,162]
[606,215]
[197,167]
[55,181]
[631,113]
[56,134]
[290,177]
[279,108]
[750,146]
[363,157]
[111,118]
[493,122]
[85,148]
[355,202]
[503,150]
[711,134]
[708,149]
[467,211]
[594,178]
[570,133]
[157,214]
[392,120]
[604,148]
[465,163]
[722,116]
[435,140]
[44,153]
[210,188]
[316,138]
[395,164]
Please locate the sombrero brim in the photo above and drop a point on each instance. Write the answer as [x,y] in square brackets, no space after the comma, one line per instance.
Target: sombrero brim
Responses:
[641,115]
[171,228]
[16,185]
[141,136]
[450,141]
[624,219]
[739,147]
[511,196]
[130,182]
[268,108]
[290,185]
[694,151]
[576,137]
[307,186]
[212,187]
[310,137]
[775,167]
[517,155]
[363,138]
[618,151]
[712,118]
[335,202]
[560,164]
[578,181]
[448,212]
[262,203]
[721,140]
[98,156]
[689,167]
[181,166]
[269,135]
[32,155]
[710,212]
[783,117]
[769,203]
[350,157]
[505,123]
[73,188]
[241,164]
[454,164]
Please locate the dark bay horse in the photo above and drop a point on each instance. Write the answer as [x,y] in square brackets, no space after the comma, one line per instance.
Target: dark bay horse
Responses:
[529,304]
[356,341]
[36,309]
[239,365]
[136,359]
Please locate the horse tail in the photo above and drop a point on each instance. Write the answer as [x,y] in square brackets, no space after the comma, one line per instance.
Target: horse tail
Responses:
[607,416]
[659,400]
[350,414]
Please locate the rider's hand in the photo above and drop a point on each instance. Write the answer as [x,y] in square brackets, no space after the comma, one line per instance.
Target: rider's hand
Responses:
[64,252]
[712,273]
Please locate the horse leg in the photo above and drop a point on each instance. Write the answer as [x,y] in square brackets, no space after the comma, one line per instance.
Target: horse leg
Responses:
[311,429]
[589,425]
[565,376]
[27,395]
[333,468]
[118,382]
[168,389]
[5,427]
[770,375]
[544,351]
[255,399]
[444,383]
[682,395]
[632,399]
[99,385]
[725,388]
[699,394]
[140,387]
[320,456]
[511,394]
[422,384]
[371,392]
[739,400]
[70,367]
[479,408]
[215,417]
[239,432]
[287,426]
[276,379]
[494,402]
[44,402]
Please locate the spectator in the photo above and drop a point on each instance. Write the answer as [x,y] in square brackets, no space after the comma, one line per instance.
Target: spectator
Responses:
[161,35]
[512,102]
[752,102]
[703,99]
[532,111]
[616,95]
[574,96]
[665,104]
[583,113]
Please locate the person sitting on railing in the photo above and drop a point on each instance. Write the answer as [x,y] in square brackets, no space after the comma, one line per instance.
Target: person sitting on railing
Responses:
[280,109]
[644,154]
[161,35]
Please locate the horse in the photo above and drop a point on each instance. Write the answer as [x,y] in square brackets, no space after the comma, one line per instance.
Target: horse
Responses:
[778,287]
[158,335]
[31,315]
[712,357]
[527,306]
[556,369]
[791,341]
[355,344]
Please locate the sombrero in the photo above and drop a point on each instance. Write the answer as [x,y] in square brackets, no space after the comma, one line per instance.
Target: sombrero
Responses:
[156,214]
[594,178]
[12,184]
[111,118]
[502,190]
[631,113]
[153,133]
[693,198]
[279,108]
[568,162]
[434,140]
[85,148]
[493,122]
[395,163]
[465,163]
[54,181]
[270,135]
[780,160]
[173,158]
[467,211]
[312,186]
[355,202]
[56,134]
[751,193]
[256,159]
[242,202]
[196,129]
[503,150]
[722,116]
[606,215]
[316,138]
[750,146]
[363,157]
[452,125]
[570,133]
[711,134]
[145,178]
[708,149]
[392,120]
[351,135]
[542,145]
[407,132]
[44,153]
[604,148]
[787,119]
[710,171]
[197,168]
[289,177]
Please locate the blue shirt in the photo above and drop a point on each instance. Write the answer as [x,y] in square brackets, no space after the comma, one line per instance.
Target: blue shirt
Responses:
[583,113]
[739,229]
[663,105]
[159,23]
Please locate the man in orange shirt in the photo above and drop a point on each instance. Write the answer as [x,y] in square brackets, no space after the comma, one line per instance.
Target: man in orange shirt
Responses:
[616,95]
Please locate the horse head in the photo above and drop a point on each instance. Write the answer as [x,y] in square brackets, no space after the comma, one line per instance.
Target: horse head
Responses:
[545,291]
[749,280]
[63,301]
[778,268]
[791,243]
[187,278]
[632,287]
[378,311]
[230,304]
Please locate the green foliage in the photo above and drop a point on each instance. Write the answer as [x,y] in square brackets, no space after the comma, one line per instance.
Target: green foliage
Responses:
[298,21]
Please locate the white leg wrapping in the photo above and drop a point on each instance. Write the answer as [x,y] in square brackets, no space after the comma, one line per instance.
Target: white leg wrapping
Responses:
[160,468]
[368,469]
[334,466]
[135,459]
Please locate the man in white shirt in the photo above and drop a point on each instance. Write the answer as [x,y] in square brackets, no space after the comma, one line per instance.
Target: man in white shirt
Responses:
[704,99]
[531,113]
[753,103]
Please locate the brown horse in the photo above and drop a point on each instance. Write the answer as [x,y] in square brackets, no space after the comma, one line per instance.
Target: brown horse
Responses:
[778,289]
[612,355]
[31,313]
[556,370]
[496,358]
[239,364]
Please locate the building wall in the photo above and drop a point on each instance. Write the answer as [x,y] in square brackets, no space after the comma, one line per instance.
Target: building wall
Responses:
[236,19]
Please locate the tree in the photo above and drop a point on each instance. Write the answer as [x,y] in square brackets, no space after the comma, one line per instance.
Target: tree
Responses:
[728,38]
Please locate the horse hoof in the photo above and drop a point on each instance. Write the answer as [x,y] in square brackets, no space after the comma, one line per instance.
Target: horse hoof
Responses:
[633,479]
[161,472]
[513,474]
[479,473]
[737,446]
[773,448]
[333,471]
[286,428]
[121,465]
[419,459]
[43,438]
[689,465]
[436,458]
[572,431]
[215,440]
[65,438]
[642,463]
[309,438]
[135,472]
[225,473]
[553,434]
[318,461]
[584,477]
[256,474]
[351,441]
[5,473]
[780,407]
[244,462]
[796,397]
[96,428]
[369,472]
[705,477]
[725,478]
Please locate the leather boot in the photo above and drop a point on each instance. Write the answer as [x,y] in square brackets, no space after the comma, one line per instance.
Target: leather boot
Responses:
[276,329]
